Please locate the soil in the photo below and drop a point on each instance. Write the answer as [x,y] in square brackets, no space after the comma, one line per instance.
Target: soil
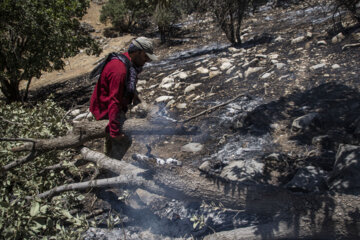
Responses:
[288,93]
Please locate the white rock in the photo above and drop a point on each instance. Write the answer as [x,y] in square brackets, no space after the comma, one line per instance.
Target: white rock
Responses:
[225,66]
[266,75]
[261,56]
[139,89]
[318,66]
[298,40]
[167,86]
[191,87]
[202,70]
[170,103]
[322,42]
[192,147]
[240,75]
[181,105]
[335,66]
[279,39]
[338,38]
[280,65]
[213,68]
[141,82]
[183,75]
[214,74]
[274,56]
[252,70]
[190,97]
[309,34]
[230,70]
[163,99]
[166,81]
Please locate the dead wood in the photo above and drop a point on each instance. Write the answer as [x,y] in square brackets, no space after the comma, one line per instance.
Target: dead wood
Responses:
[302,215]
[346,46]
[212,109]
[86,131]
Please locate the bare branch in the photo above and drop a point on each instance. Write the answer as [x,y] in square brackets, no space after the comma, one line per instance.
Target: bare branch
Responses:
[18,162]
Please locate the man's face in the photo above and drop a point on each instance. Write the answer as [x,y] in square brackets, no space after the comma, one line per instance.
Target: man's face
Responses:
[140,58]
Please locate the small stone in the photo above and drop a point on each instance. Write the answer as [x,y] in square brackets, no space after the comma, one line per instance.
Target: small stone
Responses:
[279,39]
[192,147]
[183,75]
[274,56]
[202,70]
[230,70]
[163,99]
[181,106]
[213,74]
[170,103]
[298,40]
[266,75]
[304,121]
[252,70]
[205,166]
[318,66]
[321,43]
[141,82]
[191,87]
[335,66]
[280,65]
[225,66]
[166,81]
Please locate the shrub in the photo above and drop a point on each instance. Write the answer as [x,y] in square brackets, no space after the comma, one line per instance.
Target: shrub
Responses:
[124,14]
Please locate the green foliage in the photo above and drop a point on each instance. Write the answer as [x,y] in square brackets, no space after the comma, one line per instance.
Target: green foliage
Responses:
[165,16]
[124,14]
[36,36]
[19,218]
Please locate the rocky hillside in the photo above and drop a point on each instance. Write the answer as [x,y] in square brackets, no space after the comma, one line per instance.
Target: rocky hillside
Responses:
[293,120]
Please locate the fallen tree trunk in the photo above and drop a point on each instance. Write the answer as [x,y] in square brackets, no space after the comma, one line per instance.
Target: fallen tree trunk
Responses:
[300,216]
[87,131]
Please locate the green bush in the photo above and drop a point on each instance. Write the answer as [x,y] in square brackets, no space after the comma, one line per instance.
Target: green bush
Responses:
[164,17]
[35,219]
[124,14]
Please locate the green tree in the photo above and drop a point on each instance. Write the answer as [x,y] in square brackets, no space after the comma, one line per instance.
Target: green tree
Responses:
[165,16]
[35,36]
[124,14]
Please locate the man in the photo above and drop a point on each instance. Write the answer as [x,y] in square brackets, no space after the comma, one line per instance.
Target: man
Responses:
[116,89]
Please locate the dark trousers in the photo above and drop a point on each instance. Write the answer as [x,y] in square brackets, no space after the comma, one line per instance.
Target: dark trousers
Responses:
[117,149]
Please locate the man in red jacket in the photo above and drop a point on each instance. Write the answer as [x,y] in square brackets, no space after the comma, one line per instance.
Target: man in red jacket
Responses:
[116,89]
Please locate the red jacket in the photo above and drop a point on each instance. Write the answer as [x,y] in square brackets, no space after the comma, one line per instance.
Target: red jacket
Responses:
[107,100]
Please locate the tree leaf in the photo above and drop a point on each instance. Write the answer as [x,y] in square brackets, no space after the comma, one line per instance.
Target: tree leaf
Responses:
[35,209]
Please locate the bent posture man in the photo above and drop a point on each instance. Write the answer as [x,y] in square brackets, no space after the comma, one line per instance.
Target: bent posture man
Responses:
[116,89]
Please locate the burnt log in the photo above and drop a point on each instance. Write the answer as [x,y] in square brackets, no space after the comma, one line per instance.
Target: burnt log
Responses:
[301,216]
[86,131]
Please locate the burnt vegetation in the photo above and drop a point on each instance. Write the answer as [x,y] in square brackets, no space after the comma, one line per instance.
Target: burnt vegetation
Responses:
[258,138]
